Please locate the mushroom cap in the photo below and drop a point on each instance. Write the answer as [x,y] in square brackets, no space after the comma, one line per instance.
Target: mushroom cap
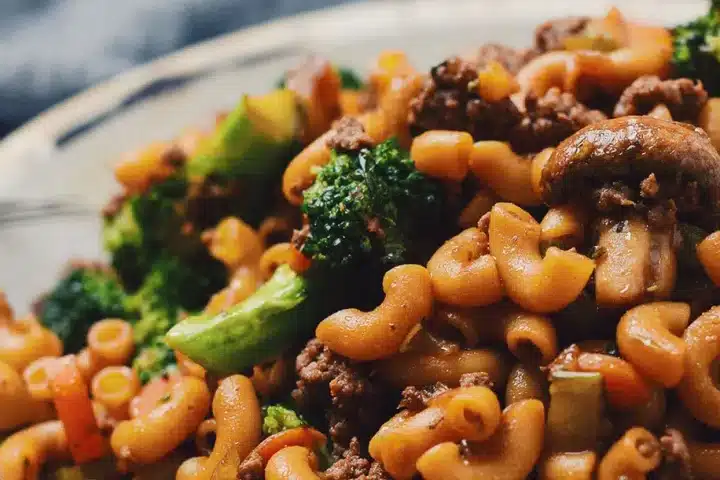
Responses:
[629,148]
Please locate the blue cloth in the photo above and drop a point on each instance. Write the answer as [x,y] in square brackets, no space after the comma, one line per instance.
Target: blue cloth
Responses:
[51,49]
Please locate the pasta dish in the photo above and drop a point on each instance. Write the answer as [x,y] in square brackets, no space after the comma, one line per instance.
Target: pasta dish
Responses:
[504,268]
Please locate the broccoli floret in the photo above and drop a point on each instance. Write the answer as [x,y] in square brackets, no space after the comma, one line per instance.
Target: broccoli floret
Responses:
[349,79]
[147,224]
[82,297]
[154,360]
[278,418]
[365,210]
[170,288]
[373,205]
[697,49]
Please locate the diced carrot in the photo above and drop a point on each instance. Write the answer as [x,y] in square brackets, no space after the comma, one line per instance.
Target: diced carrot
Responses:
[152,395]
[301,436]
[75,411]
[624,386]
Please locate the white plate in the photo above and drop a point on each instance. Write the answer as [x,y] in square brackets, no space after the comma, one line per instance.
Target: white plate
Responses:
[65,155]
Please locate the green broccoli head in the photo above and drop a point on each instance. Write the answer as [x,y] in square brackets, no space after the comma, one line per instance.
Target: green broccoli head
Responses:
[146,224]
[697,49]
[278,418]
[81,298]
[370,206]
[154,360]
[171,287]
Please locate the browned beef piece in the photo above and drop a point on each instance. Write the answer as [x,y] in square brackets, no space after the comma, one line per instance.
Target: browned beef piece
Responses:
[676,457]
[417,398]
[447,102]
[551,35]
[683,97]
[550,119]
[252,468]
[353,466]
[511,58]
[329,382]
[348,135]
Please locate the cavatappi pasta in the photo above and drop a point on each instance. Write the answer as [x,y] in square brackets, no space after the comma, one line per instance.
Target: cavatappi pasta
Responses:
[504,268]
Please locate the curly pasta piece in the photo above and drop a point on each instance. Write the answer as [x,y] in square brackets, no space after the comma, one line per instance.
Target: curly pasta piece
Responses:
[380,333]
[147,438]
[464,273]
[442,154]
[237,414]
[563,227]
[698,389]
[504,171]
[511,453]
[471,413]
[526,382]
[115,387]
[568,466]
[632,457]
[17,406]
[709,120]
[292,463]
[279,254]
[642,50]
[234,243]
[24,340]
[708,253]
[480,204]
[535,283]
[649,337]
[23,454]
[419,369]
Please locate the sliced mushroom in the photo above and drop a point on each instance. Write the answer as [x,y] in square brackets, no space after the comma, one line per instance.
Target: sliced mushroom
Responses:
[643,172]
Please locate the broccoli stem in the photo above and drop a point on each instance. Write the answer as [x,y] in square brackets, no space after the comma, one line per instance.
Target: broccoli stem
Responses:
[262,326]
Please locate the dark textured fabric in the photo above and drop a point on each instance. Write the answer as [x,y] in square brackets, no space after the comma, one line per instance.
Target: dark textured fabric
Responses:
[50,49]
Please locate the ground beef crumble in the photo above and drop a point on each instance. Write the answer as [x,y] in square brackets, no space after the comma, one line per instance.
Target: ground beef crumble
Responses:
[510,58]
[353,466]
[550,119]
[551,35]
[348,135]
[418,398]
[252,468]
[448,103]
[676,457]
[683,97]
[344,390]
[476,379]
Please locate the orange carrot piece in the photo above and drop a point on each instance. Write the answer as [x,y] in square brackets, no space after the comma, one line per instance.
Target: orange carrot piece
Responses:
[624,386]
[301,436]
[75,411]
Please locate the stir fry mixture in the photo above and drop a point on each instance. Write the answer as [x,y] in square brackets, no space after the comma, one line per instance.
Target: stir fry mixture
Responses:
[503,268]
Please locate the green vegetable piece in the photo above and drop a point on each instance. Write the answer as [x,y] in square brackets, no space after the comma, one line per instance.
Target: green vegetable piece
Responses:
[349,79]
[81,298]
[155,360]
[696,49]
[373,206]
[575,413]
[277,418]
[145,226]
[256,329]
[255,138]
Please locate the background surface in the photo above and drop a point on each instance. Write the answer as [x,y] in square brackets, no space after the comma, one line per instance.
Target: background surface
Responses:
[51,49]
